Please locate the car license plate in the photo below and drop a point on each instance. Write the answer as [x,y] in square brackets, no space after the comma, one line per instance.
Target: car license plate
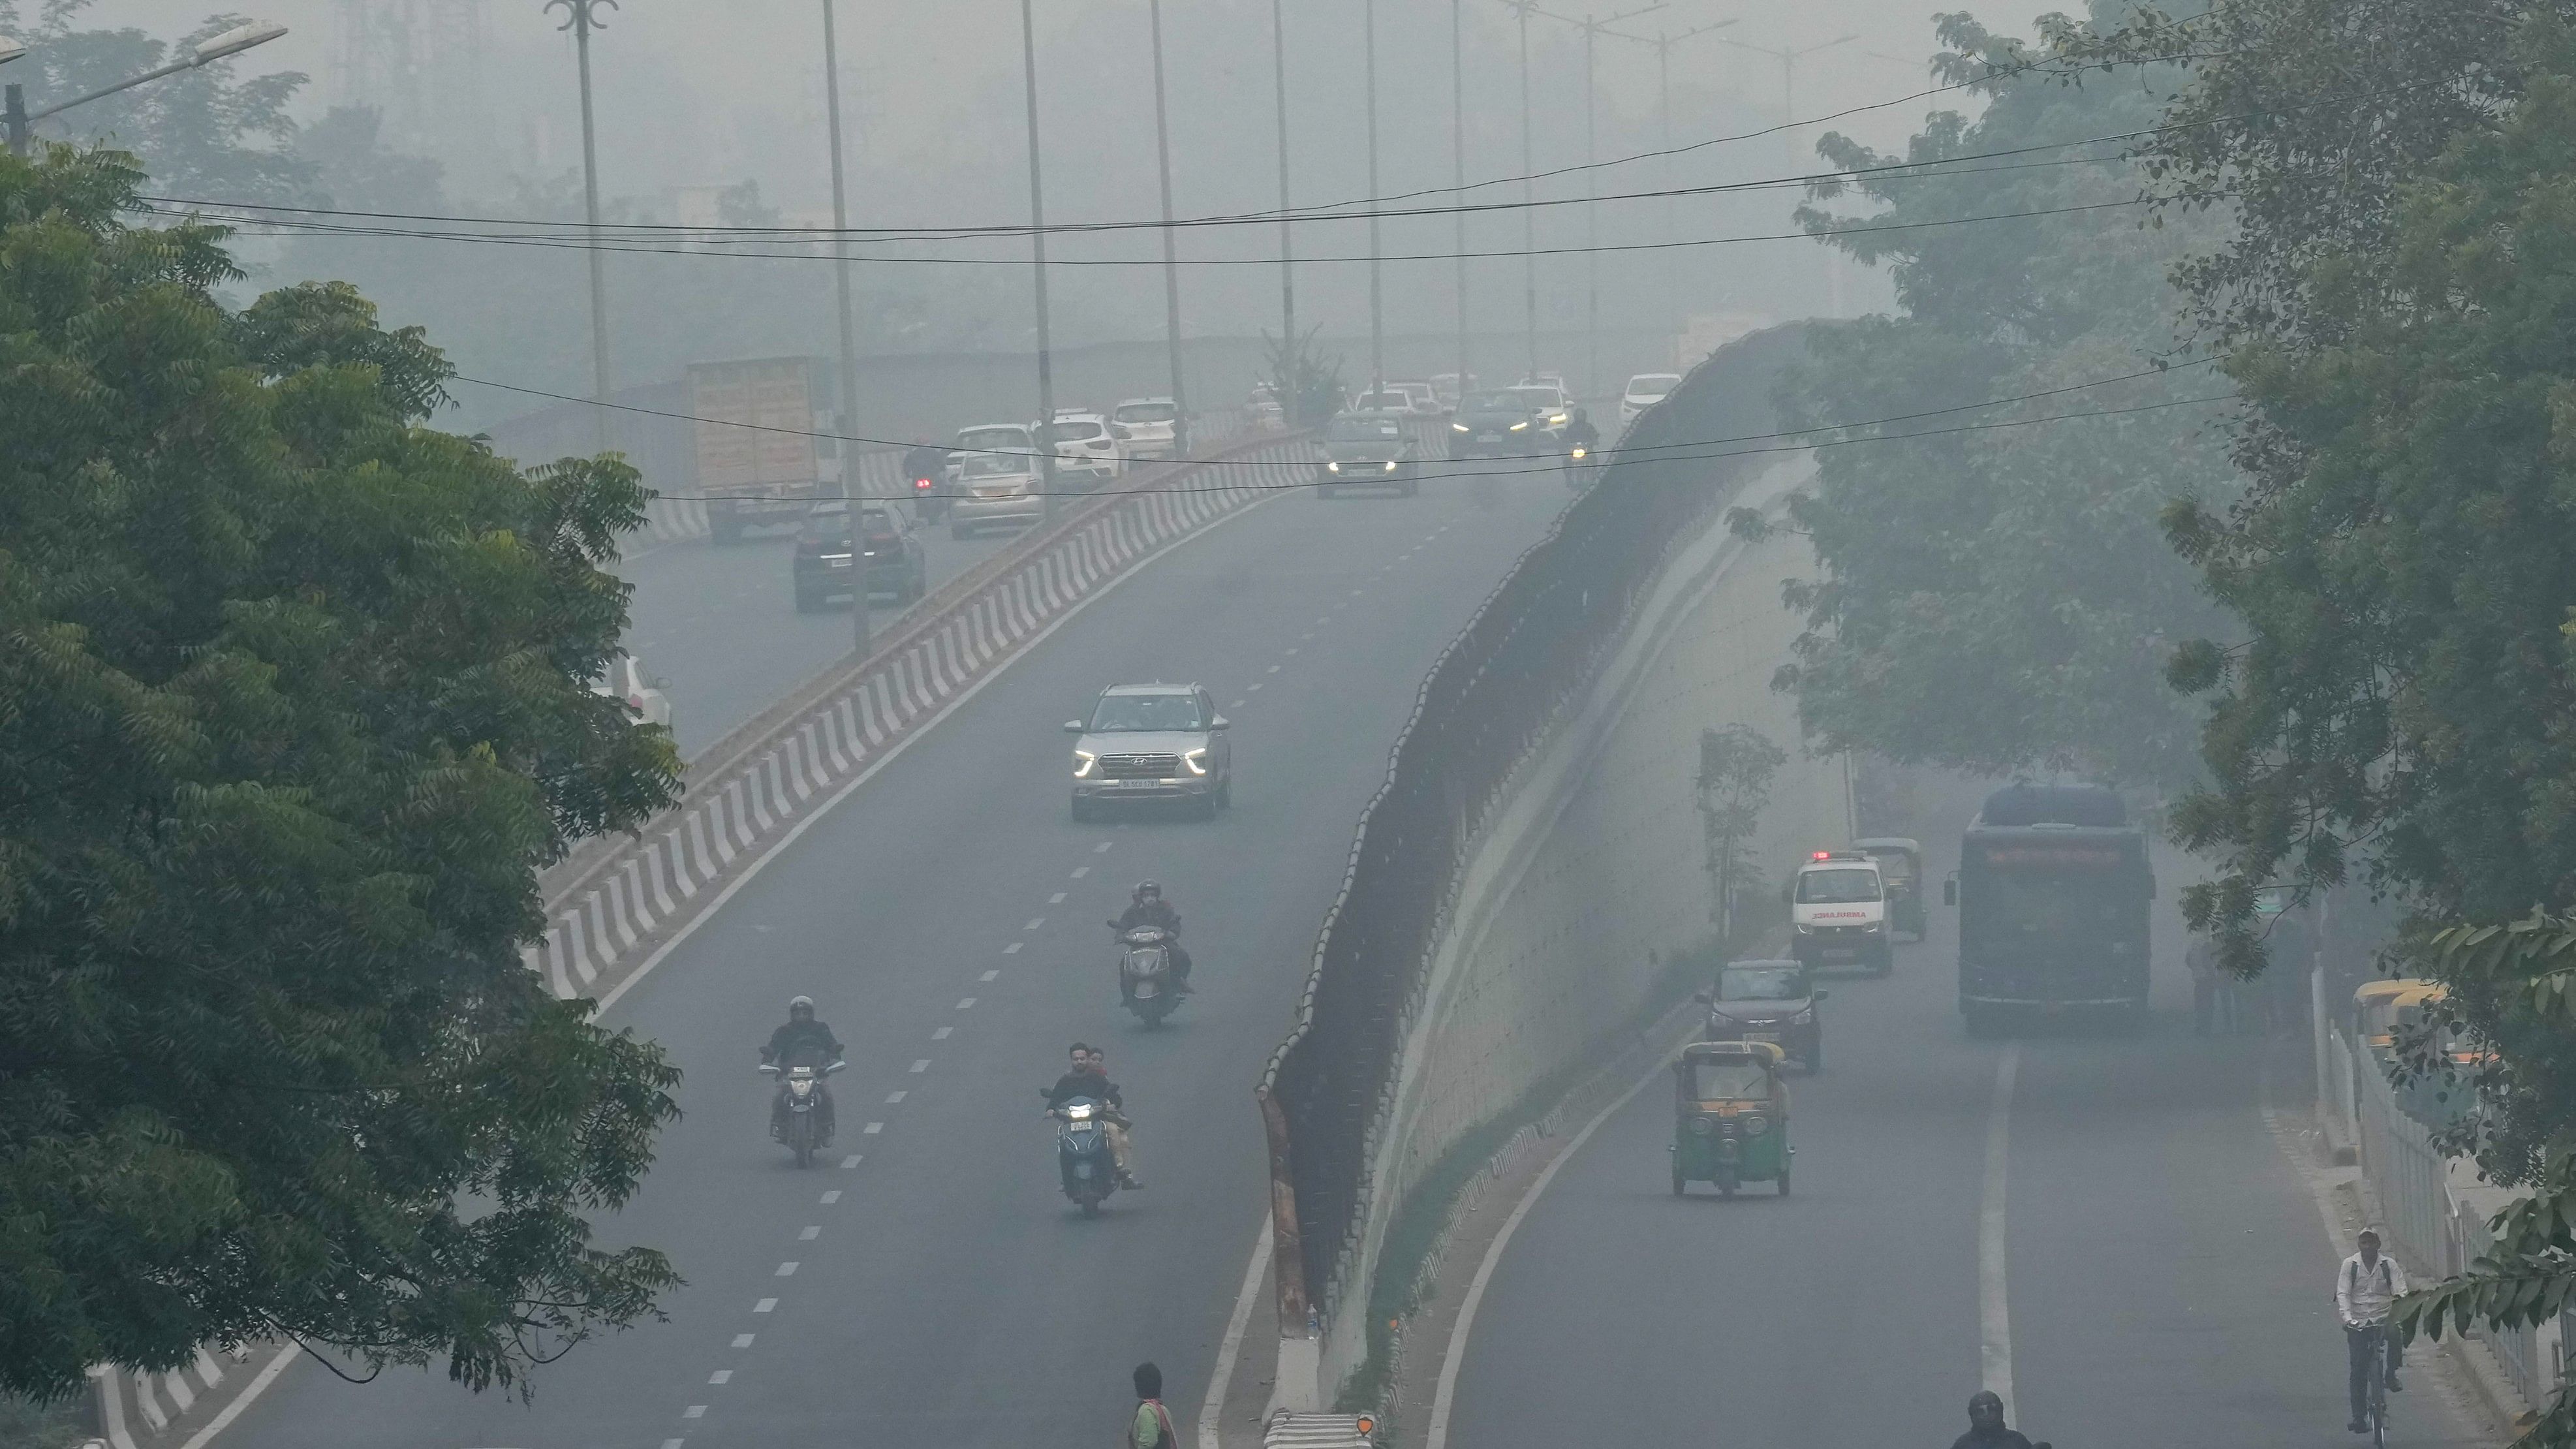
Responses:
[1769,1036]
[1842,953]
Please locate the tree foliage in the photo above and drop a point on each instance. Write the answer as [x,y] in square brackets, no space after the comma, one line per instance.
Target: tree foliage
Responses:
[1997,599]
[1736,764]
[292,706]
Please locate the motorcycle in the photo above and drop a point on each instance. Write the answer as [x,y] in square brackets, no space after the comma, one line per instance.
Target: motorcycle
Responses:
[1145,981]
[1082,1155]
[928,504]
[1579,469]
[800,1092]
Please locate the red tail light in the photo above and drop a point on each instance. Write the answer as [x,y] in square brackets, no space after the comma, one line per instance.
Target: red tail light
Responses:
[921,485]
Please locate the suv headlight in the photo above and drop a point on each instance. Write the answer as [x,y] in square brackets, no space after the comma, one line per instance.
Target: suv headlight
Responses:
[1516,427]
[1196,761]
[1083,760]
[1458,427]
[1390,465]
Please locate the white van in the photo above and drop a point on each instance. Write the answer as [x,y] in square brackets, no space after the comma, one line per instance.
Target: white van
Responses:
[1838,912]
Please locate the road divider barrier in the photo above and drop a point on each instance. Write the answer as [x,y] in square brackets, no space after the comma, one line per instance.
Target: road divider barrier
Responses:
[615,900]
[1485,942]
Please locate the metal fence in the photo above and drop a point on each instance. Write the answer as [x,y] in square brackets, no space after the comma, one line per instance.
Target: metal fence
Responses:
[1488,701]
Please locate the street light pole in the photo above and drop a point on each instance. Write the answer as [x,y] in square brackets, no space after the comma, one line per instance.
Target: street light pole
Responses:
[1377,296]
[581,21]
[1044,436]
[1287,267]
[1529,211]
[1663,44]
[1789,58]
[213,48]
[1592,28]
[849,389]
[1171,264]
[1458,171]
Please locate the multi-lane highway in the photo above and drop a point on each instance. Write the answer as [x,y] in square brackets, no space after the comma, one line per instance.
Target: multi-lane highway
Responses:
[930,1284]
[2164,1278]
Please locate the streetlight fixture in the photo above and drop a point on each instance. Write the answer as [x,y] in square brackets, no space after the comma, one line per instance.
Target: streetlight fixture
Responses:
[1788,58]
[847,416]
[1592,29]
[580,19]
[213,48]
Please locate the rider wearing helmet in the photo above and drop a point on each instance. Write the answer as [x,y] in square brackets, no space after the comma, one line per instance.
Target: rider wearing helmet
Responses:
[1986,1425]
[804,1041]
[1146,907]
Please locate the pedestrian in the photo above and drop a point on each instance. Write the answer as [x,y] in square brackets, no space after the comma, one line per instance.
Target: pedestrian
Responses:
[1152,1426]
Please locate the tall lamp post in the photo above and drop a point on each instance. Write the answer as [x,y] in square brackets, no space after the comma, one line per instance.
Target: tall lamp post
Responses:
[1523,9]
[1171,264]
[849,390]
[1045,438]
[1287,266]
[581,18]
[1592,29]
[1789,58]
[13,102]
[1663,44]
[1377,298]
[1458,171]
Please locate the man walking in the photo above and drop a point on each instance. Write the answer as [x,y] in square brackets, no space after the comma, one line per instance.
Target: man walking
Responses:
[2365,1288]
[1152,1426]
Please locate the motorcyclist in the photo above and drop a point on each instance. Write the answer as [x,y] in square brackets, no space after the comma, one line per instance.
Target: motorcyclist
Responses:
[803,1041]
[930,461]
[1986,1425]
[1088,1076]
[1579,432]
[1146,907]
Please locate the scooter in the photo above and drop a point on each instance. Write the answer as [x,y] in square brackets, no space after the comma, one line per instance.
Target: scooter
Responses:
[801,1089]
[1082,1155]
[1145,974]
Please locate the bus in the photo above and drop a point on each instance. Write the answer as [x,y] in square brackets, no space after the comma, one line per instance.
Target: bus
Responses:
[2052,888]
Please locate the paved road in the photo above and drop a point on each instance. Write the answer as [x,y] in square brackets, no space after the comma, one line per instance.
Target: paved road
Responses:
[2167,1268]
[948,918]
[719,621]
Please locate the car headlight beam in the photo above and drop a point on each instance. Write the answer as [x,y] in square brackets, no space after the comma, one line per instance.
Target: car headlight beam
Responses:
[1196,761]
[1332,467]
[1458,427]
[1516,427]
[1083,760]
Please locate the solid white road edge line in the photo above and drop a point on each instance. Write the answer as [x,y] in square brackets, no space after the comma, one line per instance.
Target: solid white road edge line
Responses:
[1994,1309]
[1437,1436]
[1213,1406]
[955,703]
[267,1375]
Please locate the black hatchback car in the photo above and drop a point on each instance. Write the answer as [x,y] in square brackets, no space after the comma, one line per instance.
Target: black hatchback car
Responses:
[891,554]
[1773,1001]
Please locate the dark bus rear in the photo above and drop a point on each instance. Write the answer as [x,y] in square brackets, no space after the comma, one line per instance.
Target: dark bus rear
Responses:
[2053,915]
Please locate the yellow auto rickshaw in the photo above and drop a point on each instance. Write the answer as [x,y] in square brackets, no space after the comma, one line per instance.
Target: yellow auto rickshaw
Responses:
[1900,865]
[1730,1116]
[2380,1008]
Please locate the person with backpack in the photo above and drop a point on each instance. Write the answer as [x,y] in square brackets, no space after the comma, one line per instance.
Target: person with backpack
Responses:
[1152,1426]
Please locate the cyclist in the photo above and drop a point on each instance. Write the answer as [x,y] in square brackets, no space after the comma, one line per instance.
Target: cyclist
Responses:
[2365,1286]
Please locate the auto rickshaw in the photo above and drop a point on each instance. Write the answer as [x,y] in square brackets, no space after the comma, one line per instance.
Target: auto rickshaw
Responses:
[1730,1116]
[2381,1007]
[1900,864]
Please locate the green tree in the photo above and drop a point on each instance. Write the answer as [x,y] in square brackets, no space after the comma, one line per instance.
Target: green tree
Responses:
[1996,600]
[292,707]
[1734,783]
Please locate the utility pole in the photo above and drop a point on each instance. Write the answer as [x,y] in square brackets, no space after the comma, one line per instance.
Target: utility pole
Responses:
[1458,172]
[1044,435]
[1377,295]
[1287,268]
[1529,211]
[1663,44]
[1592,28]
[847,417]
[581,19]
[1171,265]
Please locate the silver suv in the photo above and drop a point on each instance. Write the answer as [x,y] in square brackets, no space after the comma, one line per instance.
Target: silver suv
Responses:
[1147,742]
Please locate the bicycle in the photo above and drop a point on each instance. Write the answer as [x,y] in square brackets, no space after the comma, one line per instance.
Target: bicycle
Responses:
[2374,1396]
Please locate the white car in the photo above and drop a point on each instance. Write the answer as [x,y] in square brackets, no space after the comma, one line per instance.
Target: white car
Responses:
[1015,441]
[1384,400]
[1558,380]
[1151,424]
[624,680]
[1425,399]
[1644,391]
[1084,444]
[997,487]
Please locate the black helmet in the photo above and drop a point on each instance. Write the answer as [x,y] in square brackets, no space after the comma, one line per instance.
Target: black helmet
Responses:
[1146,888]
[1985,1406]
[804,1004]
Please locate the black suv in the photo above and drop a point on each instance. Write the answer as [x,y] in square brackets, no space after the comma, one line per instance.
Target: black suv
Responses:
[893,557]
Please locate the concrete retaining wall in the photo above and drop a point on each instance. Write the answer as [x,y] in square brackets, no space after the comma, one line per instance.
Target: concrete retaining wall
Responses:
[1593,879]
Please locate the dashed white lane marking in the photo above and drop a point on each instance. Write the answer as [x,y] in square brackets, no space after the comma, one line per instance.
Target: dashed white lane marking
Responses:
[1012,949]
[721,1376]
[987,976]
[834,1195]
[742,1340]
[1238,704]
[1057,899]
[1251,688]
[1306,638]
[694,1411]
[921,1064]
[1080,871]
[847,1163]
[1292,649]
[787,1270]
[942,1034]
[965,1002]
[894,1097]
[873,1129]
[765,1305]
[1102,846]
[809,1235]
[1994,1310]
[1034,923]
[1274,669]
[673,1443]
[1355,593]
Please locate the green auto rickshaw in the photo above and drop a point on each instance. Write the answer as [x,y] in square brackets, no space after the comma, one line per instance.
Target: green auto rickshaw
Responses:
[1730,1116]
[1900,864]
